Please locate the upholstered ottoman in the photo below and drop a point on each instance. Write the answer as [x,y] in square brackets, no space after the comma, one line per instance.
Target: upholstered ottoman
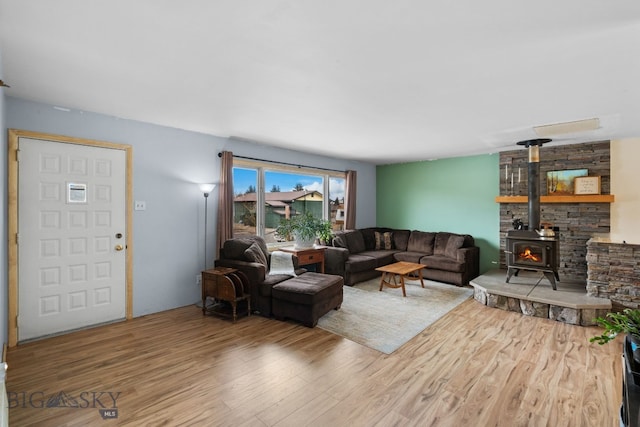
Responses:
[306,298]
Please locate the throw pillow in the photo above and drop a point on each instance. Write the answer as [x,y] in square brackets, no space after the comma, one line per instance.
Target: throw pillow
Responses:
[234,248]
[401,239]
[453,244]
[422,241]
[254,254]
[384,240]
[340,241]
[355,241]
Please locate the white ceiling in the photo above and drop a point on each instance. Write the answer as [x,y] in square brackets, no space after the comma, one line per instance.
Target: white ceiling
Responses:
[373,80]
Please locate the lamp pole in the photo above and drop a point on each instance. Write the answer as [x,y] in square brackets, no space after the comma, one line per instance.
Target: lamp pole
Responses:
[206,189]
[206,203]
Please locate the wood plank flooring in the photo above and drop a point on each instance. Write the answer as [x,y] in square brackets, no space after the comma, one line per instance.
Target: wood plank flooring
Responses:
[477,366]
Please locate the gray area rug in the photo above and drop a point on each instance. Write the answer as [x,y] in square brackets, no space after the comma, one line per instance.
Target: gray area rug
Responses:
[385,320]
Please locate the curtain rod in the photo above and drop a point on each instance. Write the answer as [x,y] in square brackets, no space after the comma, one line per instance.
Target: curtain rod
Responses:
[284,163]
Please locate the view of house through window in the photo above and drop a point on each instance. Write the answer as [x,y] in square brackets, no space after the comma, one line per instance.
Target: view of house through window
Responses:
[263,195]
[245,184]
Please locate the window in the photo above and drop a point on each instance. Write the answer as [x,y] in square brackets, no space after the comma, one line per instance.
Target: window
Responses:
[336,202]
[265,193]
[245,184]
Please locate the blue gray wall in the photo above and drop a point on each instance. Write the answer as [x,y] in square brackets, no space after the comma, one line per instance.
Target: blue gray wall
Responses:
[168,241]
[3,213]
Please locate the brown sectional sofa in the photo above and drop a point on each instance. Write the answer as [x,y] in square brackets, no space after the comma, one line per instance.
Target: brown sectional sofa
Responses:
[448,257]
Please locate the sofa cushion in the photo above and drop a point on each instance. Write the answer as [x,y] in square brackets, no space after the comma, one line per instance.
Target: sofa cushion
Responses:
[254,254]
[308,289]
[408,256]
[468,241]
[439,262]
[421,241]
[401,239]
[339,240]
[383,240]
[269,281]
[382,257]
[454,243]
[356,263]
[234,248]
[355,241]
[440,244]
[368,235]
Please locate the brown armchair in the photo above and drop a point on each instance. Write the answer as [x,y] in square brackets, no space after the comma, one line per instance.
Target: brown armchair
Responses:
[250,255]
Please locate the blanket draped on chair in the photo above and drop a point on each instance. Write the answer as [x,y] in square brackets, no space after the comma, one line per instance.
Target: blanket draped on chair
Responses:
[282,263]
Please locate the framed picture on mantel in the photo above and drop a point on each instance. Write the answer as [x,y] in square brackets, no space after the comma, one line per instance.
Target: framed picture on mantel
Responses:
[561,182]
[586,185]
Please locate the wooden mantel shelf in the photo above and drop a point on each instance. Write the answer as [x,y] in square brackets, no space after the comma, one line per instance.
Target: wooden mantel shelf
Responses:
[595,198]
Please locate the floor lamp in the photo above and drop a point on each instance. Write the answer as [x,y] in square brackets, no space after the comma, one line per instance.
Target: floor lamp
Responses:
[206,189]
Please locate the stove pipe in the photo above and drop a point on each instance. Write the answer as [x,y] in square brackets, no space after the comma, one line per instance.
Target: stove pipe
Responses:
[534,179]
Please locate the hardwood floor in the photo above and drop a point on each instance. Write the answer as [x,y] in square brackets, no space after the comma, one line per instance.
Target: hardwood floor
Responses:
[476,366]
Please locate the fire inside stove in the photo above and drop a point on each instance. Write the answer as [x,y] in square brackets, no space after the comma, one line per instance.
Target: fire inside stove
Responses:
[528,254]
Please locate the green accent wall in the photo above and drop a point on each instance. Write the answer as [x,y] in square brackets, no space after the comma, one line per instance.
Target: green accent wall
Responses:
[455,194]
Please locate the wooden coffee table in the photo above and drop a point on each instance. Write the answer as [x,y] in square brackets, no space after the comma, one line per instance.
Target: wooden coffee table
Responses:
[399,270]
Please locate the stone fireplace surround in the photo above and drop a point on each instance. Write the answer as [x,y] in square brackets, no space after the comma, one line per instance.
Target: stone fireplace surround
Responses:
[614,272]
[575,224]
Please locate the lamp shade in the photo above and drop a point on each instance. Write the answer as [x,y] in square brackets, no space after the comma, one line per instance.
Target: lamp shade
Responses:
[207,188]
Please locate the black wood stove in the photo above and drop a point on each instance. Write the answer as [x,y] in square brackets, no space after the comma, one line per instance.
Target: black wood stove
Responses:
[527,249]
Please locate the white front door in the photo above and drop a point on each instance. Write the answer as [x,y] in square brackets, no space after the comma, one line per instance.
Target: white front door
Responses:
[71,236]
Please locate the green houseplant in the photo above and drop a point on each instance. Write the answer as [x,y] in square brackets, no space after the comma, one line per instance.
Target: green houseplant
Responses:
[305,228]
[325,234]
[625,322]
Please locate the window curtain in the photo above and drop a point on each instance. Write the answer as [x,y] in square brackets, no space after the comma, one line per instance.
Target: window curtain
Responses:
[225,202]
[350,201]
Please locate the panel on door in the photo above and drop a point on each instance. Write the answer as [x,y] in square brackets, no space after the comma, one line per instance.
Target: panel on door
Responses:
[71,237]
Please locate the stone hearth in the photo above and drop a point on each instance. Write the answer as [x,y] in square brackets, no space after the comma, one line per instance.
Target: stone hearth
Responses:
[531,294]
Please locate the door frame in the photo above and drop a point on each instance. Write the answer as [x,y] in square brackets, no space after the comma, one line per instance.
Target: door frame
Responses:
[12,170]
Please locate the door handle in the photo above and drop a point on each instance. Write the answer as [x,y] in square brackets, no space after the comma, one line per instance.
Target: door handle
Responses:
[119,247]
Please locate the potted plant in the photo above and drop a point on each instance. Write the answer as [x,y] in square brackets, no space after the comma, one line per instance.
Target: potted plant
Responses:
[325,234]
[305,228]
[625,322]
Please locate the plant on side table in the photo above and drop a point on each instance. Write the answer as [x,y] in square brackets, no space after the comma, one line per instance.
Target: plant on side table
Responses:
[325,234]
[305,228]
